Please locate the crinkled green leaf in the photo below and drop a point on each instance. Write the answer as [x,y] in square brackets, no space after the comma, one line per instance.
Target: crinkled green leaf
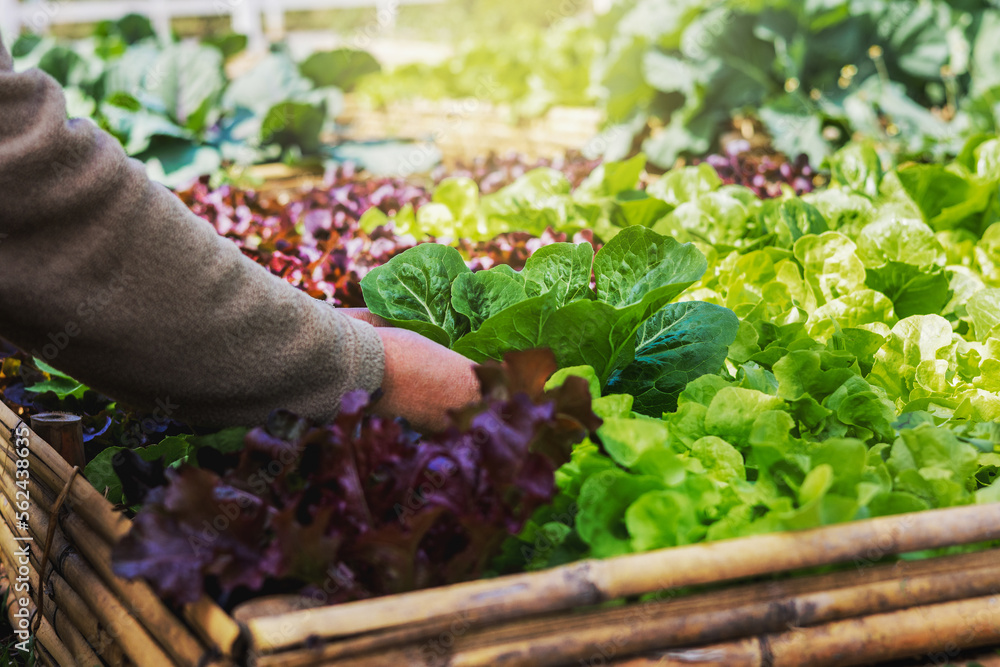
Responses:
[483,294]
[858,167]
[685,185]
[414,290]
[561,267]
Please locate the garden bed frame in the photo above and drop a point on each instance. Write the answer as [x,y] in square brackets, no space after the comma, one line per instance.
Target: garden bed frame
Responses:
[695,604]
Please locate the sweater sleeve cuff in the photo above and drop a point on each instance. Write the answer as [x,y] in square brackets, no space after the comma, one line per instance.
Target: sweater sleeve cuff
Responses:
[368,361]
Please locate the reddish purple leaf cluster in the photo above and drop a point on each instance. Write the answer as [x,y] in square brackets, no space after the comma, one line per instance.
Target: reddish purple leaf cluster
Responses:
[312,241]
[496,171]
[362,506]
[514,248]
[762,170]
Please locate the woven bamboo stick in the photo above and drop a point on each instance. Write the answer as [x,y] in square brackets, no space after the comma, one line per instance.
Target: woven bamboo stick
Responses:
[711,617]
[859,641]
[136,595]
[44,635]
[212,624]
[54,471]
[66,600]
[76,643]
[188,652]
[590,582]
[131,635]
[42,656]
[215,627]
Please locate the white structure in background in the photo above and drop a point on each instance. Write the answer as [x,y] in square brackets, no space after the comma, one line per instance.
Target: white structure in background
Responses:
[246,15]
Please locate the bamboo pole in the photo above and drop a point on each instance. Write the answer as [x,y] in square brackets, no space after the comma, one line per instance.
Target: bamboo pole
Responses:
[132,636]
[21,607]
[591,582]
[66,599]
[709,617]
[212,624]
[54,472]
[926,631]
[39,524]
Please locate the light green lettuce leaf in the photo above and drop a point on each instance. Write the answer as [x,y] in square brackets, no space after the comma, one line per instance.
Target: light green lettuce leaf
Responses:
[899,240]
[830,264]
[984,310]
[604,499]
[626,440]
[844,211]
[686,184]
[858,167]
[946,199]
[732,412]
[460,195]
[563,267]
[791,219]
[722,461]
[919,339]
[659,519]
[715,217]
[853,310]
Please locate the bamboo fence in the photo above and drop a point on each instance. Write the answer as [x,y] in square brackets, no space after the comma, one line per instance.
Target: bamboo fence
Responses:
[706,604]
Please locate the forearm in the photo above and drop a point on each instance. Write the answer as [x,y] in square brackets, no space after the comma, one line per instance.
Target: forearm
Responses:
[109,277]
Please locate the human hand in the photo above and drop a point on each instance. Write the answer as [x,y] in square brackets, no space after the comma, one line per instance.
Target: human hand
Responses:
[423,380]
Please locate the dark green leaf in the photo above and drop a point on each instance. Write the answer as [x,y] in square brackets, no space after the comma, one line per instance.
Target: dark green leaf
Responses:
[681,342]
[912,291]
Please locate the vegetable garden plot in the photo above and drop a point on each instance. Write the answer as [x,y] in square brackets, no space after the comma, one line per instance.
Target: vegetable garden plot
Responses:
[745,451]
[764,365]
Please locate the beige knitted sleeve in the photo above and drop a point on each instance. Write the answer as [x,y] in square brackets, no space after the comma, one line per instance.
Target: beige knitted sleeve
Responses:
[110,278]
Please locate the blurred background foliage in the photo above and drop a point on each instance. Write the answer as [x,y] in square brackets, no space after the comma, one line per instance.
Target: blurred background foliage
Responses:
[918,76]
[673,79]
